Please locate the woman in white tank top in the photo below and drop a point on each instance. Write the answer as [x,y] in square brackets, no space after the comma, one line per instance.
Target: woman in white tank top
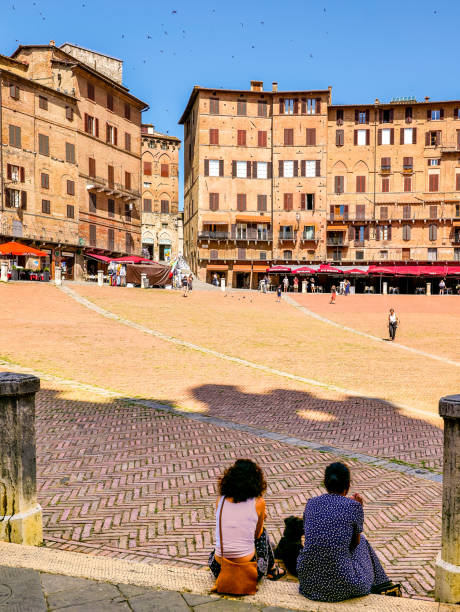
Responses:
[241,490]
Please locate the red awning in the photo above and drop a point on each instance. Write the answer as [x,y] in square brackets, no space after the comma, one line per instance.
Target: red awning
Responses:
[134,259]
[329,269]
[355,271]
[433,270]
[453,270]
[99,257]
[280,269]
[15,248]
[386,270]
[407,270]
[304,270]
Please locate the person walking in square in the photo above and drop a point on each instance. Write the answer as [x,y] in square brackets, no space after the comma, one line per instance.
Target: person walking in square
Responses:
[278,293]
[333,294]
[285,284]
[393,322]
[442,286]
[296,284]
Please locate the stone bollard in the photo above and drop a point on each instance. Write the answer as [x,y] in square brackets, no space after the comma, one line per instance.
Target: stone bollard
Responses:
[100,278]
[57,276]
[448,561]
[144,281]
[304,286]
[4,272]
[222,284]
[20,513]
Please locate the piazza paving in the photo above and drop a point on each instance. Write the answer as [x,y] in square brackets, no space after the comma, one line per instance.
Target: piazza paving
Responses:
[123,479]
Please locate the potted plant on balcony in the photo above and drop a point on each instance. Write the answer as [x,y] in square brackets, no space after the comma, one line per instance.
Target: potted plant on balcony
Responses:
[46,274]
[14,273]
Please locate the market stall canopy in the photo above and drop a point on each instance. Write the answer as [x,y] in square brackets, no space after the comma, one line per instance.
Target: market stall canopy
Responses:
[304,270]
[385,270]
[279,269]
[133,259]
[355,269]
[453,270]
[103,258]
[330,269]
[157,274]
[15,248]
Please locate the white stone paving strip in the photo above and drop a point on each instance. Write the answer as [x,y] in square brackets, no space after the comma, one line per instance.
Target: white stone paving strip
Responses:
[250,364]
[403,347]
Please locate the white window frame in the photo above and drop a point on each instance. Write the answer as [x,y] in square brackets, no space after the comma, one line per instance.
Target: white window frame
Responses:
[310,168]
[111,134]
[435,114]
[309,232]
[289,106]
[15,172]
[362,137]
[408,136]
[311,106]
[434,162]
[288,169]
[362,115]
[241,169]
[262,170]
[213,167]
[386,136]
[384,232]
[15,198]
[432,254]
[92,125]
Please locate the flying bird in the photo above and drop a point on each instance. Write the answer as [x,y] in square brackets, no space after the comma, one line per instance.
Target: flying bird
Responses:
[173,12]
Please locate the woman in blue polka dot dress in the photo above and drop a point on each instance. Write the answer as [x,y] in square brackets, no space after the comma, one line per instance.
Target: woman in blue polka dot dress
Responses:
[337,562]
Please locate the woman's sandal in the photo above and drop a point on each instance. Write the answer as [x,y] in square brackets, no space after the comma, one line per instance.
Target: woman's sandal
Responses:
[276,573]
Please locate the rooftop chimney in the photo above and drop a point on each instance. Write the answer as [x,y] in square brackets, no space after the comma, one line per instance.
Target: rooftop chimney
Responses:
[52,43]
[427,98]
[274,86]
[257,85]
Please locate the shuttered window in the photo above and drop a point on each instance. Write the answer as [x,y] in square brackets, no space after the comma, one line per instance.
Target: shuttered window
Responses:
[71,188]
[43,144]
[288,137]
[111,175]
[384,212]
[241,253]
[407,183]
[46,207]
[148,168]
[90,91]
[407,163]
[43,102]
[261,139]
[129,243]
[432,232]
[164,170]
[14,92]
[262,108]
[127,111]
[69,113]
[214,106]
[360,184]
[360,211]
[91,166]
[457,181]
[110,239]
[241,107]
[70,211]
[241,201]
[339,138]
[92,202]
[213,201]
[385,163]
[338,184]
[92,235]
[214,254]
[406,211]
[111,207]
[214,136]
[128,180]
[288,201]
[241,138]
[147,205]
[127,141]
[15,136]
[45,180]
[261,203]
[385,185]
[311,137]
[406,231]
[70,152]
[434,182]
[164,206]
[110,101]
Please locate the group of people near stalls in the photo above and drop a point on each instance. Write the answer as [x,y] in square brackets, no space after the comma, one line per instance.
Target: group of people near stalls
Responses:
[327,549]
[117,274]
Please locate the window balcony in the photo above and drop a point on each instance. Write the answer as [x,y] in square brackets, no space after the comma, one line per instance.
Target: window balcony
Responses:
[287,236]
[252,234]
[336,241]
[450,147]
[210,235]
[304,237]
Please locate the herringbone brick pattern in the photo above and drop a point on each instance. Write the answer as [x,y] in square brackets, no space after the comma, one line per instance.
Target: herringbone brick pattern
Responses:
[128,481]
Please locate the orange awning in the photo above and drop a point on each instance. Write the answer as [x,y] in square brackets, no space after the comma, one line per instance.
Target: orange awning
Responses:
[340,228]
[456,223]
[253,219]
[260,268]
[16,248]
[215,267]
[242,268]
[215,222]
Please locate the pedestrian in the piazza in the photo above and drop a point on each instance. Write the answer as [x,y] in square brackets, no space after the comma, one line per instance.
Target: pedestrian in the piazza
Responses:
[278,293]
[393,322]
[347,287]
[337,562]
[442,286]
[333,294]
[296,284]
[215,280]
[190,282]
[243,554]
[285,284]
[312,284]
[185,284]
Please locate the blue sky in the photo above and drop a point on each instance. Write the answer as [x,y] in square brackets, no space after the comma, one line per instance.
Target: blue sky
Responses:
[364,50]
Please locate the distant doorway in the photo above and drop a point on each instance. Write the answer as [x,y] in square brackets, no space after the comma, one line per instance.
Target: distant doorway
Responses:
[165,252]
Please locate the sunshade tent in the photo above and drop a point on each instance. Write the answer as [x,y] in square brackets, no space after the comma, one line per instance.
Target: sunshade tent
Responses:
[280,269]
[134,259]
[17,249]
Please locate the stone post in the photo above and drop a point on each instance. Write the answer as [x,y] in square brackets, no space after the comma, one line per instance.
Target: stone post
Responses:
[304,286]
[144,281]
[4,271]
[448,561]
[20,513]
[222,284]
[57,276]
[428,288]
[100,278]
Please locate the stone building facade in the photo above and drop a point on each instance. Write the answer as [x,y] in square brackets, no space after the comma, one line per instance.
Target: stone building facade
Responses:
[162,222]
[286,177]
[80,130]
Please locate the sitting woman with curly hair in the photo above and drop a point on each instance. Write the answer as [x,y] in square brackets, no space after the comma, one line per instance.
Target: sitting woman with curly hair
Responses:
[241,507]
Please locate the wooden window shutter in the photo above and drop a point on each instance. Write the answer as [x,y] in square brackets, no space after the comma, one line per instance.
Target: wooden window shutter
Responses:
[281,106]
[441,113]
[97,128]
[22,174]
[302,201]
[360,211]
[107,132]
[367,115]
[9,173]
[380,115]
[241,253]
[92,166]
[355,137]
[221,167]
[401,136]
[389,232]
[428,114]
[331,211]
[385,185]
[356,116]
[86,122]
[377,233]
[296,106]
[379,137]
[392,136]
[342,182]
[414,135]
[304,106]
[269,170]
[115,136]
[338,138]
[233,168]
[148,168]
[248,171]
[457,182]
[438,138]
[206,167]
[368,136]
[337,184]
[427,139]
[351,232]
[433,212]
[286,201]
[296,168]
[391,115]
[407,184]
[455,113]
[254,169]
[318,168]
[281,168]
[303,167]
[318,106]
[311,137]
[23,200]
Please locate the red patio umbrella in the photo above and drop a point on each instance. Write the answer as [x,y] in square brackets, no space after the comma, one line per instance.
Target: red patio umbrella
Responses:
[17,249]
[280,269]
[305,269]
[330,269]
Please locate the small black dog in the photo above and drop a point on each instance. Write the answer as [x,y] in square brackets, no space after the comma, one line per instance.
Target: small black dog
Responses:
[290,545]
